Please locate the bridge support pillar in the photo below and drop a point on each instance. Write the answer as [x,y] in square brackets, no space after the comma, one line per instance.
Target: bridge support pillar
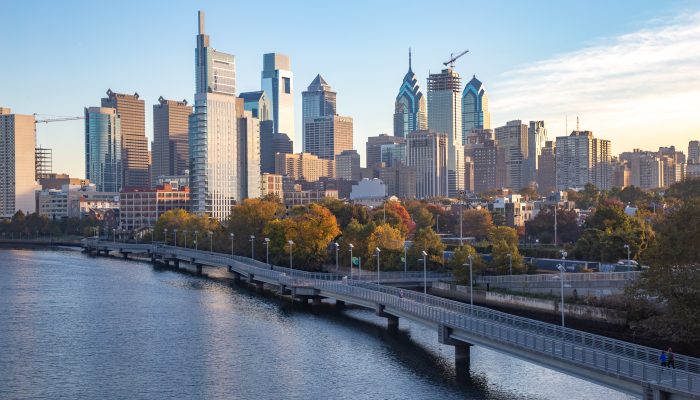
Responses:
[462,358]
[236,277]
[176,263]
[392,324]
[340,304]
[199,268]
[230,269]
[316,301]
[125,255]
[650,392]
[259,287]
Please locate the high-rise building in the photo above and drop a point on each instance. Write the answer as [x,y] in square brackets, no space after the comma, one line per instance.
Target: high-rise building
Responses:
[694,152]
[489,167]
[304,166]
[426,151]
[132,114]
[326,134]
[347,166]
[248,168]
[104,149]
[547,166]
[582,159]
[445,116]
[374,145]
[277,83]
[646,171]
[141,208]
[393,154]
[475,108]
[621,174]
[170,150]
[400,181]
[213,133]
[44,163]
[17,163]
[513,138]
[536,139]
[269,147]
[410,110]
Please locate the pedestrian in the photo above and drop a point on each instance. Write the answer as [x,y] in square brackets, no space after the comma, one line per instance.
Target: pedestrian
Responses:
[401,293]
[669,361]
[663,359]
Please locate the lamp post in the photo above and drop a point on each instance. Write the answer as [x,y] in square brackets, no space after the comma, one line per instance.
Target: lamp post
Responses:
[471,284]
[165,236]
[196,244]
[185,232]
[267,251]
[561,278]
[461,215]
[628,257]
[211,242]
[175,233]
[337,248]
[351,246]
[231,235]
[291,244]
[378,251]
[252,247]
[114,235]
[405,259]
[425,273]
[510,263]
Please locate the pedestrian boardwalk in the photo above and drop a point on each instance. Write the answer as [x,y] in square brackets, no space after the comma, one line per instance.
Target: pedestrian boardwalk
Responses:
[617,364]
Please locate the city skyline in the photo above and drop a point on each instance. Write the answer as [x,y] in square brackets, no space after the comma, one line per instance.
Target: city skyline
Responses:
[613,110]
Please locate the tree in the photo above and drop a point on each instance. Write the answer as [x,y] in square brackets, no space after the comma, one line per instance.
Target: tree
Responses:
[346,212]
[396,215]
[542,226]
[426,240]
[422,217]
[529,192]
[504,250]
[390,241]
[249,219]
[460,263]
[684,190]
[475,223]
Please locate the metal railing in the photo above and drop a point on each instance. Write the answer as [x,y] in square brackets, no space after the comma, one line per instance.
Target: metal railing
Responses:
[568,277]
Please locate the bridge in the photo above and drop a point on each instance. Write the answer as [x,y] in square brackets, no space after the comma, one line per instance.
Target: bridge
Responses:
[581,284]
[613,363]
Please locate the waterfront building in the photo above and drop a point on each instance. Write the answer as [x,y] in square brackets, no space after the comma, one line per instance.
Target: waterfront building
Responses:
[475,108]
[513,139]
[103,149]
[426,151]
[445,116]
[304,166]
[170,150]
[17,163]
[347,166]
[278,85]
[410,109]
[140,208]
[581,159]
[132,116]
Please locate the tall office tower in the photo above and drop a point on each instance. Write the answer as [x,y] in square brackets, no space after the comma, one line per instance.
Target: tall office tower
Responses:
[536,139]
[17,163]
[304,166]
[694,152]
[621,174]
[400,181]
[582,159]
[475,108]
[248,167]
[213,137]
[426,151]
[104,149]
[410,110]
[513,139]
[44,163]
[489,167]
[258,103]
[476,138]
[468,174]
[393,154]
[347,166]
[170,149]
[646,171]
[445,116]
[374,145]
[547,166]
[326,134]
[132,113]
[277,83]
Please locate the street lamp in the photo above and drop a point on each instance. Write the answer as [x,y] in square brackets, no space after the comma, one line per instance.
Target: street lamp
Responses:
[561,278]
[291,265]
[437,222]
[252,247]
[211,242]
[114,235]
[510,263]
[351,246]
[628,257]
[267,251]
[337,248]
[196,245]
[185,232]
[231,235]
[461,215]
[378,251]
[405,259]
[175,233]
[425,273]
[471,284]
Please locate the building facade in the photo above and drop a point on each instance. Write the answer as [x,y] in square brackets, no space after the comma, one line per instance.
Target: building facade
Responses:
[582,159]
[347,166]
[278,85]
[693,152]
[400,181]
[536,141]
[410,109]
[103,149]
[248,145]
[373,148]
[513,139]
[546,168]
[304,166]
[327,136]
[489,167]
[272,185]
[475,108]
[44,163]
[170,150]
[17,163]
[426,151]
[140,209]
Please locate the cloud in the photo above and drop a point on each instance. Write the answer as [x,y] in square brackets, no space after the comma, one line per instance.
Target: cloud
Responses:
[638,89]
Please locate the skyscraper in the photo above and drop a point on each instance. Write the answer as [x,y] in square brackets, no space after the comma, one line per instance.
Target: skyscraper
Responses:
[17,163]
[445,116]
[475,108]
[248,168]
[132,114]
[170,151]
[693,152]
[547,167]
[213,133]
[426,151]
[44,163]
[347,166]
[410,110]
[326,134]
[489,166]
[536,139]
[277,83]
[103,149]
[582,159]
[513,138]
[374,144]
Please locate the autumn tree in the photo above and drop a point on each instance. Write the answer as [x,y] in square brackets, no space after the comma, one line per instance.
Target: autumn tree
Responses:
[504,250]
[422,217]
[426,240]
[542,226]
[460,263]
[346,212]
[390,241]
[396,215]
[249,218]
[476,223]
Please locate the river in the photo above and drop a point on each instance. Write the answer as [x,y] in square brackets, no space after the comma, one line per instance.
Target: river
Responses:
[79,327]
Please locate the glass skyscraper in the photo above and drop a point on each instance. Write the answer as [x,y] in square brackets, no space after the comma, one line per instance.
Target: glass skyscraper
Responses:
[103,148]
[410,110]
[277,83]
[475,108]
[325,134]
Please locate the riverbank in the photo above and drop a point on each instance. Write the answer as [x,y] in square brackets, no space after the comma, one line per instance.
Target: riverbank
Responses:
[41,243]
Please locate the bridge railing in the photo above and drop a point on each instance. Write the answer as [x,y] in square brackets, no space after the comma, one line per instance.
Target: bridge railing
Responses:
[568,277]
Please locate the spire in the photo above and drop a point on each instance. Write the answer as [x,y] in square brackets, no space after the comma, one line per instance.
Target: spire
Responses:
[409,58]
[200,15]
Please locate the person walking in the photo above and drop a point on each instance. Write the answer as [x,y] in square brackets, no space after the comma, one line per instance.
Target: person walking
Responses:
[669,358]
[663,359]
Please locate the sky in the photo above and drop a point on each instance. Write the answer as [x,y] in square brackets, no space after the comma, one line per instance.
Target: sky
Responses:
[629,70]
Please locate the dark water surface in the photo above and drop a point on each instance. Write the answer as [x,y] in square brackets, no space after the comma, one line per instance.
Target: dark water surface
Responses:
[72,326]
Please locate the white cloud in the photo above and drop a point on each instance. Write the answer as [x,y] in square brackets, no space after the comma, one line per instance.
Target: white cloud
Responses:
[640,89]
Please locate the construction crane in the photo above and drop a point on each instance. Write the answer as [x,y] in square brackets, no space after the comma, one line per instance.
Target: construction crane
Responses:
[54,119]
[453,58]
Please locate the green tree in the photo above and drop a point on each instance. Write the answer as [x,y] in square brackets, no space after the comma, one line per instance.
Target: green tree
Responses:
[542,226]
[422,217]
[475,223]
[426,240]
[346,212]
[249,219]
[504,248]
[459,264]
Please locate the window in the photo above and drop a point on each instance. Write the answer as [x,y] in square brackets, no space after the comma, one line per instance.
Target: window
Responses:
[287,85]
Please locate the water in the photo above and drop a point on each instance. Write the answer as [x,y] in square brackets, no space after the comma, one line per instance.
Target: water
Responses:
[72,326]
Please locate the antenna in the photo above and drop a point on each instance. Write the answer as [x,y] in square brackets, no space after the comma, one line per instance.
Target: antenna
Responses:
[409,58]
[577,123]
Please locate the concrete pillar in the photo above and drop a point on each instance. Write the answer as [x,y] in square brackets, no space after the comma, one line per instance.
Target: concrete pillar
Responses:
[283,289]
[259,287]
[125,255]
[176,263]
[462,358]
[230,269]
[236,277]
[392,323]
[316,301]
[199,269]
[340,304]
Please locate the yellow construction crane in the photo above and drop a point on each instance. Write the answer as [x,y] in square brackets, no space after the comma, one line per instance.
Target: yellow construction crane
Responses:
[54,119]
[453,58]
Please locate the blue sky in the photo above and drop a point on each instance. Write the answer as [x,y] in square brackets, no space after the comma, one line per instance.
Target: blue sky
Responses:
[629,69]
